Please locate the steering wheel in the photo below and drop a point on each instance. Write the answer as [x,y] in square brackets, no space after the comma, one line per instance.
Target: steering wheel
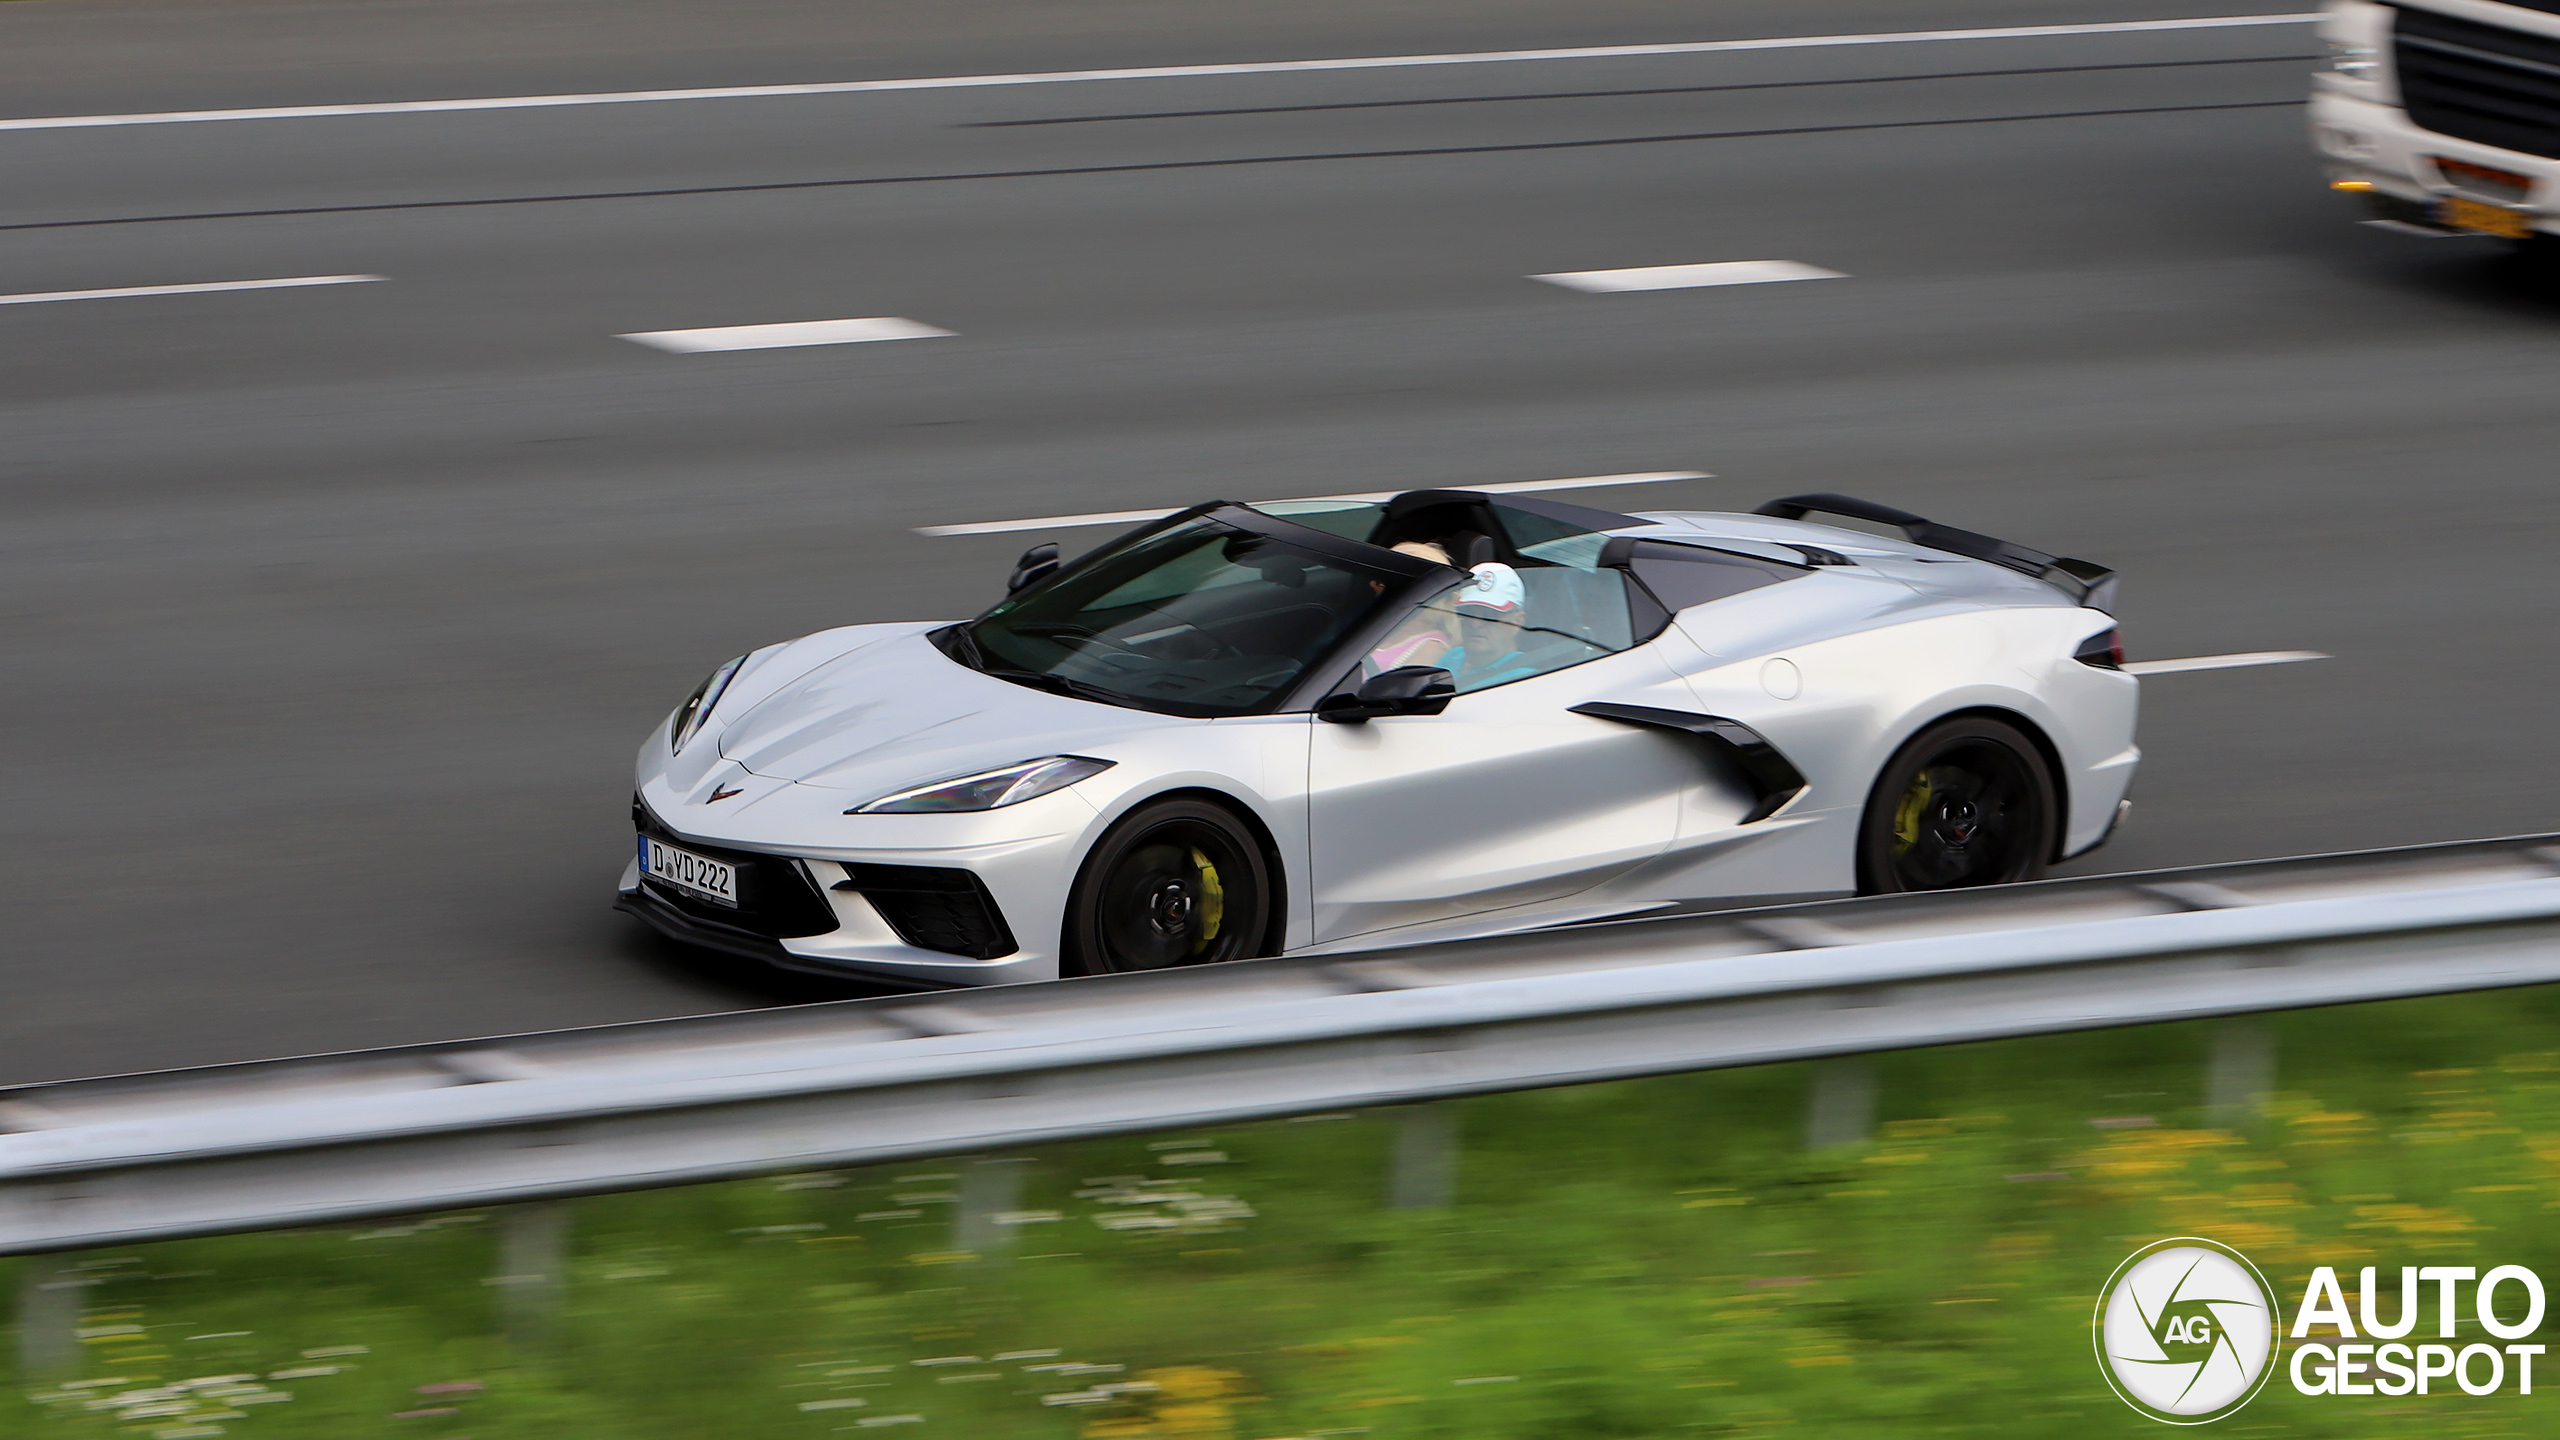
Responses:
[1216,649]
[1061,630]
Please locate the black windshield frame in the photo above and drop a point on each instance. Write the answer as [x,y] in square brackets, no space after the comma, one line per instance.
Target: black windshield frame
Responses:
[1402,580]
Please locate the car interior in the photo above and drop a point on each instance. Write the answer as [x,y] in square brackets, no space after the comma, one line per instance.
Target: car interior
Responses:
[1202,618]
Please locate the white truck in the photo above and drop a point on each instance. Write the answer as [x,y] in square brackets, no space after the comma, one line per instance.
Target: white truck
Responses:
[2444,116]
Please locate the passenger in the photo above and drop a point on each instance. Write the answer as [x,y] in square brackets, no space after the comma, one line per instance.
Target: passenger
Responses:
[1431,633]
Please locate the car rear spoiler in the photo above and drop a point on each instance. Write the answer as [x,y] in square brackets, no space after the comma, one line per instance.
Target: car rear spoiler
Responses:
[2091,585]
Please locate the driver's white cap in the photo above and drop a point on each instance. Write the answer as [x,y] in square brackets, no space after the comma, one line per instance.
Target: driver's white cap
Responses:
[1493,590]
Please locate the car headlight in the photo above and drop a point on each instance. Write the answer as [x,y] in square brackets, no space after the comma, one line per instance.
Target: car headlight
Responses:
[2356,62]
[991,790]
[687,721]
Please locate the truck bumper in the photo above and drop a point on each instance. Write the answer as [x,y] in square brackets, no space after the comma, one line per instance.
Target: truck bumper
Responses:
[2403,175]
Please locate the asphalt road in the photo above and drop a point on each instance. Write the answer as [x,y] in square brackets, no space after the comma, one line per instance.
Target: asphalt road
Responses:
[333,614]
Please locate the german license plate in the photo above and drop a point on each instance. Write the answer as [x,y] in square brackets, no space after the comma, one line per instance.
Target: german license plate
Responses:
[2482,218]
[694,874]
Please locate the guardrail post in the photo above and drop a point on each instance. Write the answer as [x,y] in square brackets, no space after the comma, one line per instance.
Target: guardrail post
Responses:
[989,1189]
[1425,1173]
[1841,1106]
[2241,1072]
[533,1271]
[48,1316]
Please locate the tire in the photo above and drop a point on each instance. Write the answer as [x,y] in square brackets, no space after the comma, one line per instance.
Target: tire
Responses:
[1967,802]
[1175,882]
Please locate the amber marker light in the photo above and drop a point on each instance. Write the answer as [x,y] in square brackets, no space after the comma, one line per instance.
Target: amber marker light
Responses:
[2358,186]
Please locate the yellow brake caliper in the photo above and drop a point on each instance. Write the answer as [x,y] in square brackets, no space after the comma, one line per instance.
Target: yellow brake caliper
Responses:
[1906,816]
[1213,901]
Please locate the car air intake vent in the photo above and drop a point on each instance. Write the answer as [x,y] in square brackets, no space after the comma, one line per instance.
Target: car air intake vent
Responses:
[934,909]
[2480,82]
[1684,575]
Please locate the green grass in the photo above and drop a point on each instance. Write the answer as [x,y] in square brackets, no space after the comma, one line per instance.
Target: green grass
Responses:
[1651,1258]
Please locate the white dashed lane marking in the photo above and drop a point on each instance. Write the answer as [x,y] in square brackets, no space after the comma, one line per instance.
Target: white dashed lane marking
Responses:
[1688,277]
[785,336]
[2221,662]
[47,297]
[1132,517]
[1159,72]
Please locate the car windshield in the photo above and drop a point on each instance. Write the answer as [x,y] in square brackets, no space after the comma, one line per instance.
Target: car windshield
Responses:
[1200,618]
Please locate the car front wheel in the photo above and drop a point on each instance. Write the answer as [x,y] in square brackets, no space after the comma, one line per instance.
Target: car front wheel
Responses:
[1175,882]
[1967,802]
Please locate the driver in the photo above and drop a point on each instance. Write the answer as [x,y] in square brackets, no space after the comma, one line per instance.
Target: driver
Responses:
[1490,608]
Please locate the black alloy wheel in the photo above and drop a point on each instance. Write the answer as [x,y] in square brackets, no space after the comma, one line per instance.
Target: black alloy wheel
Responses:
[1967,802]
[1176,882]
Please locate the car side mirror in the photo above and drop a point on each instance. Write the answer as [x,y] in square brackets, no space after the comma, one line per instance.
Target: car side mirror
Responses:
[1405,690]
[1037,564]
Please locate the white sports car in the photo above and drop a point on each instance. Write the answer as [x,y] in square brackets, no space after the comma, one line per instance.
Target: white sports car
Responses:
[1336,725]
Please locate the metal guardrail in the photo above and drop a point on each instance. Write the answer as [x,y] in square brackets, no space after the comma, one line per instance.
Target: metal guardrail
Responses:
[325,1138]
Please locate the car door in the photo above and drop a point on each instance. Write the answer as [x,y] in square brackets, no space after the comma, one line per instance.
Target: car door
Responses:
[1506,798]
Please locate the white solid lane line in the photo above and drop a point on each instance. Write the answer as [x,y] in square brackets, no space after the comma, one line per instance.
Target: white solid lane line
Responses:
[1157,72]
[1132,517]
[2221,662]
[1688,277]
[47,297]
[784,336]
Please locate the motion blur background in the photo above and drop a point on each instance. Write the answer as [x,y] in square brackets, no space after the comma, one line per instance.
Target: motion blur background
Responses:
[334,613]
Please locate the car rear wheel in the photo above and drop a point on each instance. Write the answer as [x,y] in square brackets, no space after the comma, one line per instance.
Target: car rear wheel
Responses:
[1176,882]
[1967,802]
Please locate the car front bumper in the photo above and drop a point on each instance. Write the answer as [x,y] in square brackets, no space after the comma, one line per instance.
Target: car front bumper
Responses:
[675,923]
[969,915]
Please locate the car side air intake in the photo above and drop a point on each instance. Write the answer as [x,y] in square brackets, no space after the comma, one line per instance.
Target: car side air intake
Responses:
[1773,778]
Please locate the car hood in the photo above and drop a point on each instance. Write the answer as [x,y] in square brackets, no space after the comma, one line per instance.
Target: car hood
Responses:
[901,713]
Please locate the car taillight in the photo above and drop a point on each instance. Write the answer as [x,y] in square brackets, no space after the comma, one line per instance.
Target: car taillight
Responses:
[2104,650]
